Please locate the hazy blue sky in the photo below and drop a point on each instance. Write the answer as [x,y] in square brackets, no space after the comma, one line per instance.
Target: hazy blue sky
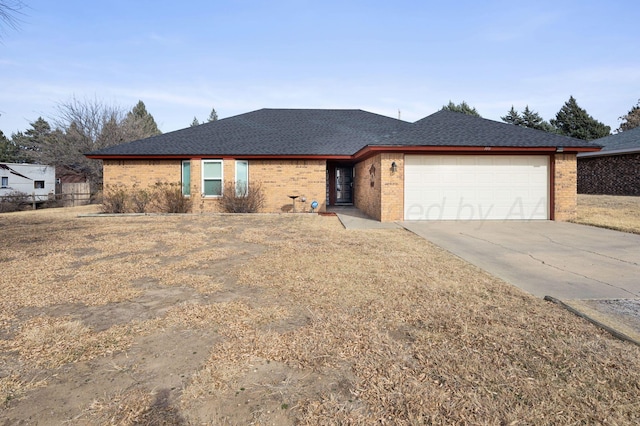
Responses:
[183,58]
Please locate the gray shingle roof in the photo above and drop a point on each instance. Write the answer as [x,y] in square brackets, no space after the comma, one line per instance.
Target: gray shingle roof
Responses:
[627,140]
[332,132]
[448,128]
[270,132]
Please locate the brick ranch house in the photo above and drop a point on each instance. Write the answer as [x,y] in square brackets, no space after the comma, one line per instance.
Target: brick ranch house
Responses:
[615,170]
[447,166]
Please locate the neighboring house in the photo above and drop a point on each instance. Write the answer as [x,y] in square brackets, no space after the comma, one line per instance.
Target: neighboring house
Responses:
[616,169]
[32,179]
[445,166]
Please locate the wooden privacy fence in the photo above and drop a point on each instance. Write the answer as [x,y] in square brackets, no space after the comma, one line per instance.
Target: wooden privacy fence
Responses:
[74,194]
[53,200]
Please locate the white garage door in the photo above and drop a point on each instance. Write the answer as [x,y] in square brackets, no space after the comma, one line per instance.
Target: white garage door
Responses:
[476,187]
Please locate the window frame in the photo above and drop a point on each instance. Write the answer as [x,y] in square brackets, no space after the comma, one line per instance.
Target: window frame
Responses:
[207,178]
[246,163]
[38,184]
[4,182]
[187,192]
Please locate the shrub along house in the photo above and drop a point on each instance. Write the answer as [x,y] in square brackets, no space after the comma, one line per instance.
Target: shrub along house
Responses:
[616,169]
[447,166]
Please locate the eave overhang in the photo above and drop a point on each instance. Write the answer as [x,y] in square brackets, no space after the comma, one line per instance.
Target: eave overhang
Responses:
[239,157]
[367,152]
[609,153]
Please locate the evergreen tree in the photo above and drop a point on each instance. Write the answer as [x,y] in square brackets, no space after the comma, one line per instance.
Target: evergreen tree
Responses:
[532,120]
[138,118]
[512,117]
[9,152]
[213,116]
[631,119]
[529,118]
[31,143]
[463,108]
[195,122]
[574,121]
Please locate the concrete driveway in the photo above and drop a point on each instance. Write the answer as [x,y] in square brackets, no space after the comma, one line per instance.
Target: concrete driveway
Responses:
[559,259]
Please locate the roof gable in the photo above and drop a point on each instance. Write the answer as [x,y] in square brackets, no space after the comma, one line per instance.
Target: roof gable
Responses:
[449,128]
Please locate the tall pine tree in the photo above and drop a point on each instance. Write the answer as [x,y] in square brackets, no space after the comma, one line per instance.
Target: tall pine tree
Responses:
[529,118]
[532,120]
[574,121]
[213,116]
[33,141]
[9,152]
[512,117]
[139,119]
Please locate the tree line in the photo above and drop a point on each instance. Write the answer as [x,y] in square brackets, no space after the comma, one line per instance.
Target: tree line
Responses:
[571,120]
[79,127]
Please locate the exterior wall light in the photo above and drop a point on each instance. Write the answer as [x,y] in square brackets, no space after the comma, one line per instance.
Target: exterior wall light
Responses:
[394,167]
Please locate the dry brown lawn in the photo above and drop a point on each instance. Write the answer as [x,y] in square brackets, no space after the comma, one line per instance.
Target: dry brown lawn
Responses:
[283,319]
[609,211]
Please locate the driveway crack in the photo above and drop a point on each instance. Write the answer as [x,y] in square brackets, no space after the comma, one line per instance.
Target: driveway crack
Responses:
[588,251]
[581,275]
[557,267]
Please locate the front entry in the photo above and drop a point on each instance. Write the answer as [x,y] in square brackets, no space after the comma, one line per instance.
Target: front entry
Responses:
[344,185]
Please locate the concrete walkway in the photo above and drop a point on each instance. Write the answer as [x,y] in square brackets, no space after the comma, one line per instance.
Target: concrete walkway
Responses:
[353,218]
[559,259]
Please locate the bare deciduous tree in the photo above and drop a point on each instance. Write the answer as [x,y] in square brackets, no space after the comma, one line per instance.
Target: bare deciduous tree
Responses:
[9,12]
[87,125]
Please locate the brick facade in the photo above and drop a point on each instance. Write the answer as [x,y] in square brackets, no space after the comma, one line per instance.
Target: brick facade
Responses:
[392,187]
[609,175]
[278,178]
[141,173]
[281,178]
[366,187]
[378,191]
[564,190]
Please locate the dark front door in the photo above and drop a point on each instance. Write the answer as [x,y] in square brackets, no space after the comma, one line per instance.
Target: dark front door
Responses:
[344,185]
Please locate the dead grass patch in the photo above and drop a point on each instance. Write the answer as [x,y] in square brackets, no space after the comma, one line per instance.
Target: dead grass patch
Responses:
[609,211]
[134,407]
[305,323]
[51,342]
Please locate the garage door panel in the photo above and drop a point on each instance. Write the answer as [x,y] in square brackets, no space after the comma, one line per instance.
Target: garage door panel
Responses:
[476,187]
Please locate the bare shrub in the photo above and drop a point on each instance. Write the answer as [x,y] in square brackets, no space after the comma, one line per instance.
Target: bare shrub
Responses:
[170,199]
[13,202]
[141,199]
[115,199]
[242,198]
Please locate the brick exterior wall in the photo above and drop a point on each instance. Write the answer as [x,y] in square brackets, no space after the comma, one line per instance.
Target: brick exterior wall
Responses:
[565,193]
[142,173]
[367,187]
[392,187]
[609,175]
[279,179]
[380,194]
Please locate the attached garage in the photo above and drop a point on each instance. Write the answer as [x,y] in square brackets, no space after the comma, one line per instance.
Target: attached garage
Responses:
[476,187]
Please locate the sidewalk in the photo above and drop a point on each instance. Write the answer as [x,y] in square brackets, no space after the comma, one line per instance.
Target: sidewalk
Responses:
[353,218]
